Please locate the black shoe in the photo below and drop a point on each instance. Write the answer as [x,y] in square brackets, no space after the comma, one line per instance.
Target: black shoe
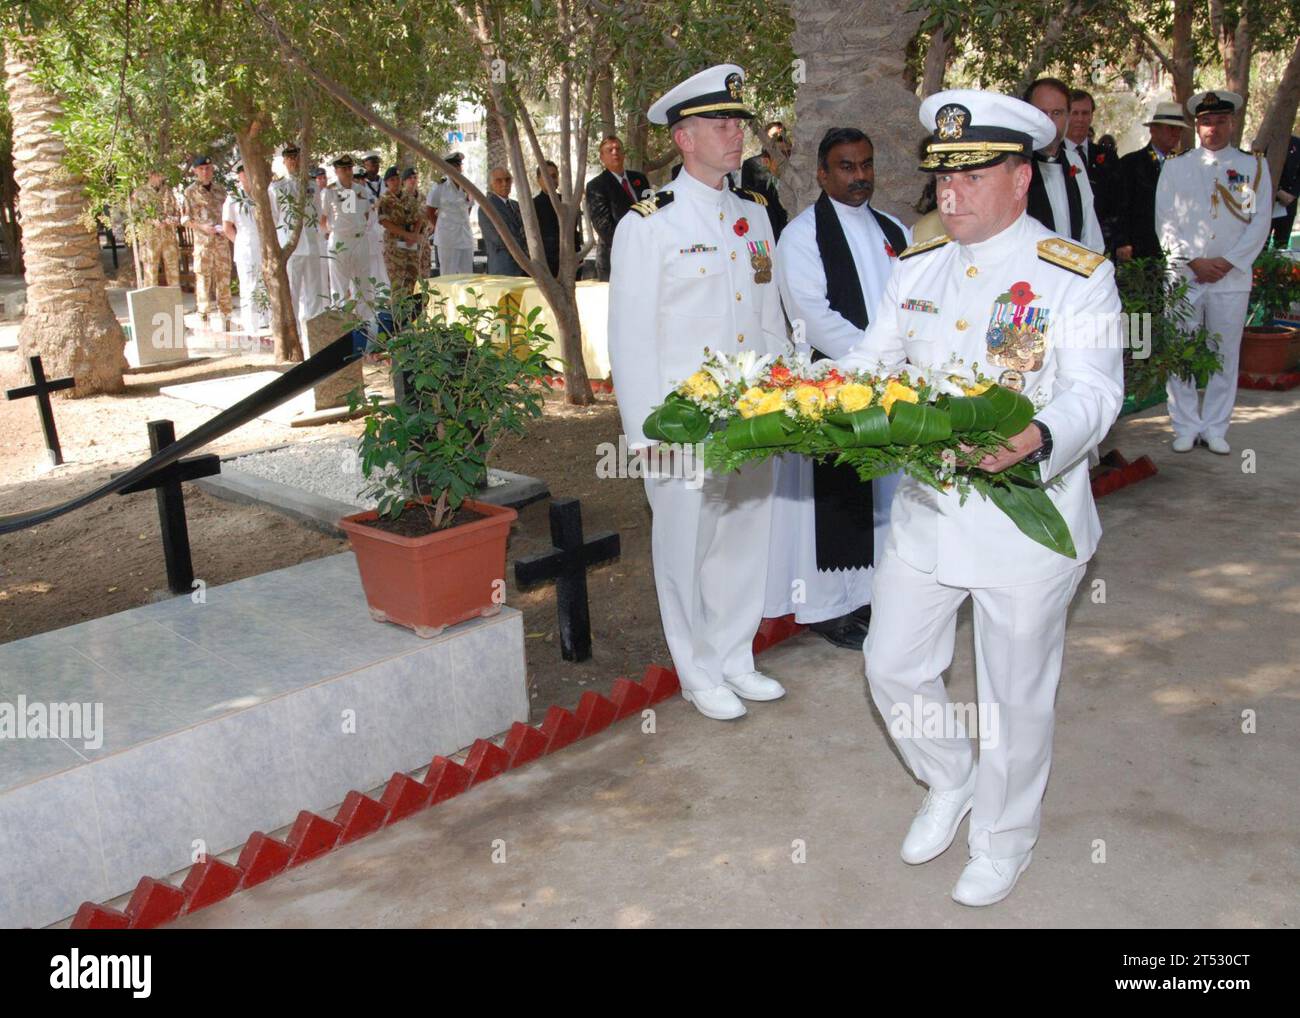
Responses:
[863,615]
[846,632]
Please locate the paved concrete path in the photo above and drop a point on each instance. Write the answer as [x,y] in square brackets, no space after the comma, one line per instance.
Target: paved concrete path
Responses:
[699,823]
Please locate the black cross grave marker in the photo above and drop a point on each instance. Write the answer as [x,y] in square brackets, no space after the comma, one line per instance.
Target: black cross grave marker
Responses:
[567,564]
[171,503]
[41,389]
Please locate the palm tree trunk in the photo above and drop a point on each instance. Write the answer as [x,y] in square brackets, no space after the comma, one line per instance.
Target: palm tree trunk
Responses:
[855,56]
[69,322]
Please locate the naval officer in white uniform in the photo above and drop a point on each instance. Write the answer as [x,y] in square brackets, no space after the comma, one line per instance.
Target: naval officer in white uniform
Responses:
[1212,217]
[240,226]
[831,266]
[1042,313]
[290,206]
[692,269]
[346,209]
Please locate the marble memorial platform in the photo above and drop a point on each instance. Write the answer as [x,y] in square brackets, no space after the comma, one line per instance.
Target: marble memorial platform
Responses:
[278,693]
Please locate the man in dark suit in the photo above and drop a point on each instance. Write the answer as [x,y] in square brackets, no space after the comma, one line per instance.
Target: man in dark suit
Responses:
[758,174]
[1099,160]
[609,195]
[547,219]
[500,262]
[1135,185]
[1288,187]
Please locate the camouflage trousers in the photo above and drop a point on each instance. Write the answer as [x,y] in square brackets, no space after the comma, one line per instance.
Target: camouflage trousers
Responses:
[212,265]
[161,251]
[403,271]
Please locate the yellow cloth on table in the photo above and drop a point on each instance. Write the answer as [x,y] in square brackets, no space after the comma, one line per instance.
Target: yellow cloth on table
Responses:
[593,314]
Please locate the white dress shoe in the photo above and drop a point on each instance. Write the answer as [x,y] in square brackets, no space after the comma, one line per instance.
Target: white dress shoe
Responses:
[936,822]
[755,686]
[1218,445]
[1184,443]
[718,703]
[987,881]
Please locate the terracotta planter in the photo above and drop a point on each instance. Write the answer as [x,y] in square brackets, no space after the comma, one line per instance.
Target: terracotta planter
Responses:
[432,582]
[1267,349]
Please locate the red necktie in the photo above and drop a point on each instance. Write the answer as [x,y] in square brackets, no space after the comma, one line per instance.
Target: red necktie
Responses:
[628,188]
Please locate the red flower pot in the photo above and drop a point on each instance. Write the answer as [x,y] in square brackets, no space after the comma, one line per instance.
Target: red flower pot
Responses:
[437,580]
[1267,349]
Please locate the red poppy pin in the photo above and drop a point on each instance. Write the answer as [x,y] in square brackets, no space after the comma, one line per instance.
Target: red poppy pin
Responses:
[1021,294]
[741,227]
[1100,158]
[889,251]
[1074,170]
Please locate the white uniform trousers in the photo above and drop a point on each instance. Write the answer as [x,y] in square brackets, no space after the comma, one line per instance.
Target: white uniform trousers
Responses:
[794,583]
[709,549]
[250,279]
[349,262]
[378,270]
[1224,315]
[305,292]
[1019,642]
[455,261]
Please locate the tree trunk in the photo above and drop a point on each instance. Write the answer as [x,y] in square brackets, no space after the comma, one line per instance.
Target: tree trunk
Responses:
[937,57]
[1044,51]
[1235,47]
[275,276]
[1275,129]
[9,226]
[605,102]
[855,54]
[69,322]
[1184,62]
[497,155]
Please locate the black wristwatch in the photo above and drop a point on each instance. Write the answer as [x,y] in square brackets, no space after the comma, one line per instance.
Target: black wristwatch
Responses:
[1044,450]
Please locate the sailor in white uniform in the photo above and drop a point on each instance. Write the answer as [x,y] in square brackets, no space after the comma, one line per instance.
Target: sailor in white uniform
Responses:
[290,207]
[447,207]
[831,266]
[692,270]
[374,185]
[1213,208]
[240,225]
[346,209]
[1041,313]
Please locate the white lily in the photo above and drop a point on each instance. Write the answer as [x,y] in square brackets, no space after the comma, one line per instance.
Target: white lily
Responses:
[738,369]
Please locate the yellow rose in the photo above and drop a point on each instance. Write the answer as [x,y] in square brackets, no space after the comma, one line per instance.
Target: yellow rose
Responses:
[854,396]
[750,401]
[810,400]
[895,391]
[699,386]
[771,402]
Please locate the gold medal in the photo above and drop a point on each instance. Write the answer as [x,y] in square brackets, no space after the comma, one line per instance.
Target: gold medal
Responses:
[762,268]
[1013,380]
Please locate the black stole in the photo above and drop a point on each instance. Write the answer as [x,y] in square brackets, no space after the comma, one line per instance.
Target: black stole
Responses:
[1040,206]
[843,513]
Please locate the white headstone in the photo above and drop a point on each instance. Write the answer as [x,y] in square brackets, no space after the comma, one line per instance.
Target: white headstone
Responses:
[157,315]
[323,330]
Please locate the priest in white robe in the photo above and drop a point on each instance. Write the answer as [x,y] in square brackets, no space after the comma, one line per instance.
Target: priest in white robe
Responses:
[831,266]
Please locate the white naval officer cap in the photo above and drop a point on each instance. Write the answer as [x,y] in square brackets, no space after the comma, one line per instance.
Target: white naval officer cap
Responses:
[714,93]
[971,129]
[1214,101]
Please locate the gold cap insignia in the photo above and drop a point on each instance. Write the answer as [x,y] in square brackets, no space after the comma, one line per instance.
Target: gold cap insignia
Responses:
[950,121]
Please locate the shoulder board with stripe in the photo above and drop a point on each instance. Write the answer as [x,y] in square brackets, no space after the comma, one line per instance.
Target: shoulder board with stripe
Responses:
[649,206]
[1070,256]
[925,245]
[749,195]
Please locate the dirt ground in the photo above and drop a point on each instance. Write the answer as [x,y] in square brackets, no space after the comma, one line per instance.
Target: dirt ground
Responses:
[107,557]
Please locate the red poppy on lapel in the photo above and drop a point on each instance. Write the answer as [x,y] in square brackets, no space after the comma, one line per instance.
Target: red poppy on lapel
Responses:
[889,251]
[1074,170]
[741,227]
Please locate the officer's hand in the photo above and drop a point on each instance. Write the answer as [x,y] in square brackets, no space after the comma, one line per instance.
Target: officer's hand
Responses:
[1021,446]
[1223,265]
[1124,252]
[1205,270]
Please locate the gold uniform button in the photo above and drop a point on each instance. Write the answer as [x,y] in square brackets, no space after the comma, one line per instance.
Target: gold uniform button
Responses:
[737,295]
[701,272]
[733,256]
[740,337]
[911,332]
[972,272]
[961,324]
[720,217]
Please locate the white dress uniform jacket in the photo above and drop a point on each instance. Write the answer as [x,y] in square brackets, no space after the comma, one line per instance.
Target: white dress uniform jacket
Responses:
[940,302]
[682,281]
[453,235]
[801,278]
[1213,204]
[347,213]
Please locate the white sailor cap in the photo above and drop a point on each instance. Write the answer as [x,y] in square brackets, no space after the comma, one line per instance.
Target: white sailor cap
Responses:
[1215,101]
[971,129]
[370,155]
[713,93]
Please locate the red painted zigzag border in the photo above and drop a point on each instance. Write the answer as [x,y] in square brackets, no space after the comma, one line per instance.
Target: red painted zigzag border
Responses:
[262,857]
[1277,383]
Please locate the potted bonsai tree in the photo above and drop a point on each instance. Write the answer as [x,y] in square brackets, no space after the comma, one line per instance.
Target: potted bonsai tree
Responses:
[430,555]
[1267,347]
